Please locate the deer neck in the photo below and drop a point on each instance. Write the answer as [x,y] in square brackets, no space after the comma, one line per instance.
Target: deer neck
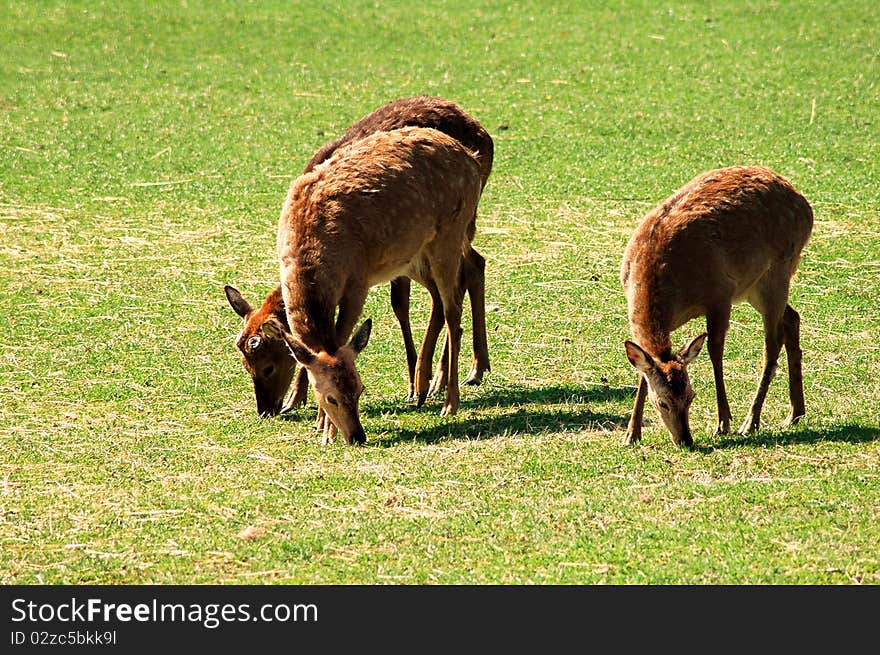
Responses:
[311,314]
[650,326]
[276,307]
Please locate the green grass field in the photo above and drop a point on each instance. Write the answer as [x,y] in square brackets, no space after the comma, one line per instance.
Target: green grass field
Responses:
[145,152]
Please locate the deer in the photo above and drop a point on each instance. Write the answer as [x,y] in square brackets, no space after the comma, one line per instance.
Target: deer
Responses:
[267,359]
[729,235]
[394,203]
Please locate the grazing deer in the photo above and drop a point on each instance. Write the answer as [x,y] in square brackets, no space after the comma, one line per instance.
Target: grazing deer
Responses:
[267,358]
[729,235]
[396,203]
[265,354]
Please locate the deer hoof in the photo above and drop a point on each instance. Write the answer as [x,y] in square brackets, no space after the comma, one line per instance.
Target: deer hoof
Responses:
[448,410]
[751,424]
[420,399]
[792,419]
[631,438]
[438,383]
[292,405]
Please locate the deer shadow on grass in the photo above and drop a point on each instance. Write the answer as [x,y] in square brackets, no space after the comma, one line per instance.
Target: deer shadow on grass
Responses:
[769,437]
[506,396]
[561,409]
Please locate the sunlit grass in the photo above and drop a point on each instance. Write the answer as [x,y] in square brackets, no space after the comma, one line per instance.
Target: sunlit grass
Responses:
[145,151]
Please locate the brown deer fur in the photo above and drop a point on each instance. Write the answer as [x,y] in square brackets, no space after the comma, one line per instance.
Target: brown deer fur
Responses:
[397,203]
[272,356]
[449,118]
[729,235]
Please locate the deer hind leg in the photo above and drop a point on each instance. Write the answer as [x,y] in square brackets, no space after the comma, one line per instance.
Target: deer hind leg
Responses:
[634,429]
[717,324]
[771,302]
[400,292]
[429,344]
[791,325]
[474,279]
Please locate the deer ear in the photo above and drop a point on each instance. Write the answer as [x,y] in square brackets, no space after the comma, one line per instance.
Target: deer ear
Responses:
[689,352]
[299,351]
[361,338]
[640,359]
[241,306]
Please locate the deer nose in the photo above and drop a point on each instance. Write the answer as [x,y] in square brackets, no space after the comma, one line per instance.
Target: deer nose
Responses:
[267,408]
[358,437]
[682,436]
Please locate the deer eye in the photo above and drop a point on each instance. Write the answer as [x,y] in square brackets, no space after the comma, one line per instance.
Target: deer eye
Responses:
[332,400]
[254,342]
[663,405]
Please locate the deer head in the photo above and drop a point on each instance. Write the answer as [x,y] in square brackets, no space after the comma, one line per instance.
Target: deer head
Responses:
[265,354]
[336,381]
[669,388]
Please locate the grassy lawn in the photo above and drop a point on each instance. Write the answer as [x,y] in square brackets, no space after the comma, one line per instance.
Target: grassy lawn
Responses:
[145,152]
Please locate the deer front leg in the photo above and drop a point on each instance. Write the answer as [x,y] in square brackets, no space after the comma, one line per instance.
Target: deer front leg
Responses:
[634,429]
[329,432]
[452,312]
[717,324]
[452,390]
[300,390]
[438,382]
[472,281]
[429,344]
[441,377]
[772,345]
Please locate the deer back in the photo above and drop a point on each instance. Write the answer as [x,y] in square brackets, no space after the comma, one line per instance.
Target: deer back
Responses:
[365,215]
[421,111]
